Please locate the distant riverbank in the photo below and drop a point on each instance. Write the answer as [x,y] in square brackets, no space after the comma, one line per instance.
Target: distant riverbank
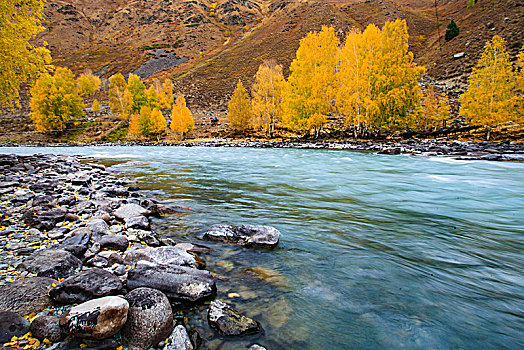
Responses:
[462,150]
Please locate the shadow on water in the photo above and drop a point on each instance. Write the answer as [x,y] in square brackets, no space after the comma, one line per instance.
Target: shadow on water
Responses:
[376,251]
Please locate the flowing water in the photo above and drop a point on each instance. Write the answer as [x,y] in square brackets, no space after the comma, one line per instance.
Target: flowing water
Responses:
[376,251]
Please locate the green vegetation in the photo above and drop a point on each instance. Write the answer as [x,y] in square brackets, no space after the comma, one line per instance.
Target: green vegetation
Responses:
[452,30]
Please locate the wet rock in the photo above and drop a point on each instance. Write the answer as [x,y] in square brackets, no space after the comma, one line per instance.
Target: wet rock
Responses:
[26,296]
[269,275]
[390,151]
[193,248]
[130,210]
[97,261]
[12,325]
[47,327]
[149,320]
[117,242]
[96,319]
[98,227]
[179,283]
[161,256]
[179,340]
[256,347]
[53,263]
[86,285]
[245,235]
[78,243]
[137,222]
[227,321]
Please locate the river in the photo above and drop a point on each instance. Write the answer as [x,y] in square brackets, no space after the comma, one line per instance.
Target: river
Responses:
[376,251]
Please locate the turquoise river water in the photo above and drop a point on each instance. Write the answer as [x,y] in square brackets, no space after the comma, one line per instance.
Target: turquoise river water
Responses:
[376,252]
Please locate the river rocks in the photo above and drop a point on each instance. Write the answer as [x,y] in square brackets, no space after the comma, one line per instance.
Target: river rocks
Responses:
[47,327]
[96,319]
[245,235]
[227,321]
[149,320]
[117,242]
[179,340]
[26,296]
[78,243]
[137,222]
[256,347]
[12,325]
[130,210]
[53,263]
[179,283]
[161,256]
[98,227]
[89,284]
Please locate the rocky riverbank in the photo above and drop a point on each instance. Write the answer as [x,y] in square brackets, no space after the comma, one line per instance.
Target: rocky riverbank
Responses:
[82,267]
[495,151]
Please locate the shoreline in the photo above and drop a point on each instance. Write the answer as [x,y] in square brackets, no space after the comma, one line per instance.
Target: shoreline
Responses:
[463,150]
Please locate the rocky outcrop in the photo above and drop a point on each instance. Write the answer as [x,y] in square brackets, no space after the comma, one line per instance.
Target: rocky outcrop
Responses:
[26,296]
[227,321]
[12,325]
[130,210]
[161,256]
[149,320]
[96,319]
[86,285]
[47,327]
[179,283]
[53,263]
[245,235]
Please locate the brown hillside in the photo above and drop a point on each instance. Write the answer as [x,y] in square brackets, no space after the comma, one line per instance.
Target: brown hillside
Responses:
[229,42]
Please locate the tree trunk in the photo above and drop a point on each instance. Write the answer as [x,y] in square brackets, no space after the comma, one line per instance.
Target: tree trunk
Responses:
[488,129]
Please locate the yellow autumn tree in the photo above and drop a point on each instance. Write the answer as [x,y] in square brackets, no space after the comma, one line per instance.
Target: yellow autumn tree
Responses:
[21,60]
[149,122]
[137,90]
[120,99]
[310,92]
[95,107]
[354,95]
[239,109]
[133,129]
[267,95]
[520,82]
[152,97]
[165,93]
[435,109]
[55,102]
[394,80]
[181,121]
[490,98]
[88,84]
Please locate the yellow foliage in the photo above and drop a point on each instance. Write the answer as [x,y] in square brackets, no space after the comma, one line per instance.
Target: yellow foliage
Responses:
[165,93]
[21,61]
[239,108]
[120,99]
[491,98]
[88,84]
[267,95]
[435,109]
[181,121]
[310,90]
[133,125]
[137,89]
[152,97]
[55,103]
[148,122]
[96,106]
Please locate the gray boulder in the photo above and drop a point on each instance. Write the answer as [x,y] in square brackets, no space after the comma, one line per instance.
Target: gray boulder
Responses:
[130,210]
[161,256]
[78,243]
[149,319]
[98,227]
[138,222]
[95,319]
[245,235]
[227,321]
[179,340]
[179,283]
[53,263]
[27,295]
[47,327]
[86,285]
[12,325]
[117,242]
